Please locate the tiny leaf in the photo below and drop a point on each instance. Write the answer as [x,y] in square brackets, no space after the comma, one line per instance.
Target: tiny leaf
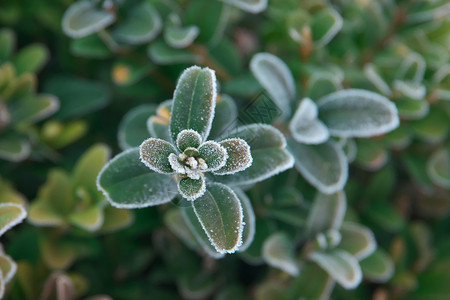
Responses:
[192,189]
[155,155]
[357,240]
[305,127]
[239,157]
[214,155]
[188,138]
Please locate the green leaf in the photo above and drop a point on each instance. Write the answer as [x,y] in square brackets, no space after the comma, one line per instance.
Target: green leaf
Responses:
[238,156]
[82,18]
[9,195]
[433,128]
[7,44]
[188,139]
[11,214]
[412,68]
[267,147]
[215,155]
[386,216]
[76,96]
[324,166]
[8,268]
[133,127]
[322,84]
[410,90]
[276,78]
[371,154]
[327,212]
[375,78]
[343,267]
[195,226]
[278,252]
[34,108]
[141,25]
[357,113]
[438,168]
[88,166]
[194,102]
[225,116]
[251,6]
[158,125]
[128,183]
[90,219]
[220,214]
[175,221]
[31,59]
[192,189]
[116,219]
[412,109]
[357,240]
[249,220]
[155,155]
[305,127]
[14,148]
[42,213]
[325,25]
[313,283]
[378,267]
[90,46]
[177,36]
[162,54]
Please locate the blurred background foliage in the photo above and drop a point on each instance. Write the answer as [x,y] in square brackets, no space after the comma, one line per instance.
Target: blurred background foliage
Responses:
[70,72]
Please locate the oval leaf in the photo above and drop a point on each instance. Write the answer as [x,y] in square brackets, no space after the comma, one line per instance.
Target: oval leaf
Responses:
[278,252]
[378,267]
[214,155]
[220,214]
[305,127]
[11,214]
[188,138]
[276,78]
[194,101]
[357,240]
[128,183]
[438,168]
[155,153]
[357,113]
[238,158]
[191,189]
[327,212]
[177,36]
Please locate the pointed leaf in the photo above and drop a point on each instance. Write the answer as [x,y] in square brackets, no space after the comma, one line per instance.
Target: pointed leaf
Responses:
[188,139]
[192,189]
[276,78]
[128,183]
[357,240]
[327,212]
[194,101]
[220,214]
[251,6]
[343,267]
[438,168]
[141,25]
[324,165]
[214,154]
[278,252]
[11,214]
[238,158]
[155,155]
[357,113]
[378,267]
[248,233]
[267,147]
[305,127]
[133,127]
[82,18]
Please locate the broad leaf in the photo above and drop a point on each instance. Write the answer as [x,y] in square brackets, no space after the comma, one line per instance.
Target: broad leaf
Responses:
[357,240]
[82,18]
[194,101]
[305,127]
[276,78]
[278,252]
[251,6]
[141,25]
[175,221]
[133,127]
[324,165]
[412,109]
[378,267]
[327,212]
[322,84]
[90,46]
[220,214]
[128,183]
[7,44]
[343,267]
[155,155]
[115,219]
[357,113]
[11,214]
[267,147]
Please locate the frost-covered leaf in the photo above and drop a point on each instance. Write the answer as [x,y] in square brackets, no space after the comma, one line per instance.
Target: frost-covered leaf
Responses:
[162,54]
[276,78]
[376,79]
[343,267]
[278,252]
[214,154]
[188,138]
[195,226]
[411,90]
[14,148]
[192,189]
[305,127]
[248,233]
[412,68]
[357,240]
[357,113]
[11,214]
[141,25]
[238,156]
[194,101]
[267,147]
[220,214]
[226,114]
[177,36]
[128,183]
[251,6]
[326,213]
[325,25]
[8,268]
[158,126]
[133,127]
[82,18]
[438,168]
[324,165]
[412,109]
[155,155]
[378,267]
[89,219]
